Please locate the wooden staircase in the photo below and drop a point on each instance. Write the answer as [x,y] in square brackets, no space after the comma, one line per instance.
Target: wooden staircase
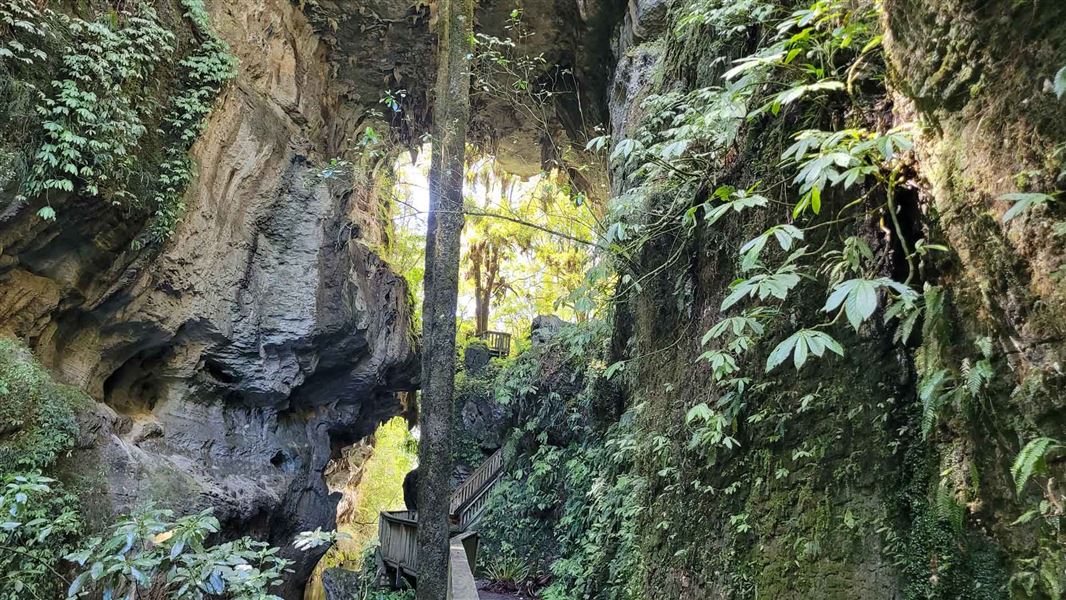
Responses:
[398,532]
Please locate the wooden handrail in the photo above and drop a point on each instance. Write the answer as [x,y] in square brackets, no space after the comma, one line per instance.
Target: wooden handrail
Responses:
[481,478]
[398,529]
[462,557]
[499,342]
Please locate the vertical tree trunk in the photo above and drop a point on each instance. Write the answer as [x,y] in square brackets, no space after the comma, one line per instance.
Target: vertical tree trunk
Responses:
[481,311]
[451,114]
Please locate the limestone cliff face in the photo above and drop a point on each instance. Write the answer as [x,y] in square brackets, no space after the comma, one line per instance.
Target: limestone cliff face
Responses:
[232,363]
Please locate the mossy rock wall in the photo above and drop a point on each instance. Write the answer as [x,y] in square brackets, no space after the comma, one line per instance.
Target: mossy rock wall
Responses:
[833,490]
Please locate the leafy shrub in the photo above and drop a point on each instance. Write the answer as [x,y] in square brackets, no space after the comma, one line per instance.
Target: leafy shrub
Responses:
[37,415]
[96,118]
[569,504]
[152,554]
[92,116]
[38,525]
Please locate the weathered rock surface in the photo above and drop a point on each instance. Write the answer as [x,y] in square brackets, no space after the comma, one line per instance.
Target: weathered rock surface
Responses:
[544,327]
[341,584]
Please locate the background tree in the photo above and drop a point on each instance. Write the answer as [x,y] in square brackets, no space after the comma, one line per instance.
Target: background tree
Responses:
[445,223]
[484,258]
[526,248]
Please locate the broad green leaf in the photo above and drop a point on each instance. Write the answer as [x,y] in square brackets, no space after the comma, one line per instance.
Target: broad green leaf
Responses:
[780,353]
[701,411]
[803,343]
[1023,202]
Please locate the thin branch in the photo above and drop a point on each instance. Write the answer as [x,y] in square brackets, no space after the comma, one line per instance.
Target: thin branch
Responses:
[474,213]
[38,560]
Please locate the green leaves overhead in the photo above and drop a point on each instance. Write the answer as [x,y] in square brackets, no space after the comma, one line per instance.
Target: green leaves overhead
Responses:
[846,157]
[118,104]
[859,297]
[785,235]
[625,149]
[763,286]
[47,213]
[739,326]
[733,200]
[801,345]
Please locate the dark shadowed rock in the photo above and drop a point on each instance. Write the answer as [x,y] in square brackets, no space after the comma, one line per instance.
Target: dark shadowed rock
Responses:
[342,584]
[476,357]
[544,328]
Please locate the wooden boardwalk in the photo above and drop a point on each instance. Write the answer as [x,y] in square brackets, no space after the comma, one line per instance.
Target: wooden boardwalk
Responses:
[398,533]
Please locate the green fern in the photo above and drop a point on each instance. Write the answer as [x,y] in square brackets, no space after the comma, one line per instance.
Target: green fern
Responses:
[1031,460]
[929,392]
[976,376]
[948,507]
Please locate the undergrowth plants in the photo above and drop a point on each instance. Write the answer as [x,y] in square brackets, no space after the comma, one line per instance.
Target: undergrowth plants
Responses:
[569,504]
[152,553]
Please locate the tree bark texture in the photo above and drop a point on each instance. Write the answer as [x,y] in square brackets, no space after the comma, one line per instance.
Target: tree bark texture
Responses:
[451,115]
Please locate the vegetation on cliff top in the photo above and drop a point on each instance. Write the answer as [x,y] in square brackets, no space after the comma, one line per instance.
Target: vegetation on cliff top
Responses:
[88,112]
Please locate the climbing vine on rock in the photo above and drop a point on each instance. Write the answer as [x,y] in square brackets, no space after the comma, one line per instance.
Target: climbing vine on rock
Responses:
[95,85]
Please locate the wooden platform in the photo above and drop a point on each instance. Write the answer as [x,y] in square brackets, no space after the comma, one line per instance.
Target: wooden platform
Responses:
[398,533]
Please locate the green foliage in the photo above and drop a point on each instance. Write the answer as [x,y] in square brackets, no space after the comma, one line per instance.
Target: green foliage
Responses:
[91,117]
[307,540]
[37,415]
[1030,460]
[507,569]
[204,73]
[813,77]
[800,345]
[38,525]
[21,29]
[97,117]
[1023,203]
[938,558]
[152,553]
[859,297]
[40,520]
[570,501]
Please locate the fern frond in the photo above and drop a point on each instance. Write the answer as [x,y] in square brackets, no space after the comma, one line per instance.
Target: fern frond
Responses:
[1031,460]
[984,345]
[929,393]
[949,508]
[976,376]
